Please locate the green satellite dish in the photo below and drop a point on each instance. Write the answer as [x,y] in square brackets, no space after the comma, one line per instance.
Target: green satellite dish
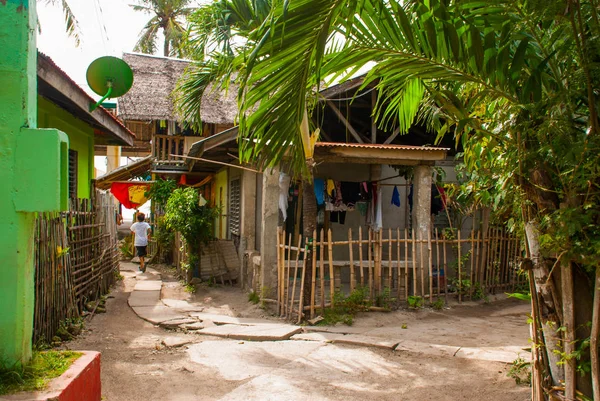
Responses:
[109,77]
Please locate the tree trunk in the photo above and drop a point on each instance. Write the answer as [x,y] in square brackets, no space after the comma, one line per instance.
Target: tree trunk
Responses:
[548,309]
[594,337]
[569,329]
[166,49]
[309,224]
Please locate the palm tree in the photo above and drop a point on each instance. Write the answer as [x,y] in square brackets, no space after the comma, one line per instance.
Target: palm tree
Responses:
[219,34]
[516,78]
[167,15]
[71,24]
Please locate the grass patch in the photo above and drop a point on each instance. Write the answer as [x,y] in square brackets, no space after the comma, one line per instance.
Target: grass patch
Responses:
[253,297]
[345,307]
[43,367]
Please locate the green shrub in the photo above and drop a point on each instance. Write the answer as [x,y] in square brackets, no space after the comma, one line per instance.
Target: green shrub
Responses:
[415,302]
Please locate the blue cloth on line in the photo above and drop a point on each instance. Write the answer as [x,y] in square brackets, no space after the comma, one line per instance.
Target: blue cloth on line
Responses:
[396,197]
[320,190]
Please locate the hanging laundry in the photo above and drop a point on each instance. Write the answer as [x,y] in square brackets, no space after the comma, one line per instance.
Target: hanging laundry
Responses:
[330,187]
[338,193]
[362,207]
[438,199]
[379,212]
[284,185]
[319,185]
[131,194]
[396,197]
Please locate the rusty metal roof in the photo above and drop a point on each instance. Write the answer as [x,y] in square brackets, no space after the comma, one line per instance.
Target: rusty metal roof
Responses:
[379,146]
[125,173]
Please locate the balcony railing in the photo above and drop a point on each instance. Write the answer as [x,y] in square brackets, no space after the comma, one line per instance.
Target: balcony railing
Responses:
[164,146]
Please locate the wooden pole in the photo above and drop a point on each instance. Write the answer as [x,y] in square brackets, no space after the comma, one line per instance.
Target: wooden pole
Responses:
[422,265]
[290,315]
[472,264]
[406,270]
[445,269]
[477,257]
[360,257]
[313,288]
[279,229]
[287,275]
[437,255]
[331,275]
[301,301]
[459,269]
[414,262]
[352,283]
[430,265]
[398,257]
[322,269]
[370,266]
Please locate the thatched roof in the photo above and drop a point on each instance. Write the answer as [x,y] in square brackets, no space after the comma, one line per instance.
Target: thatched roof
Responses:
[154,78]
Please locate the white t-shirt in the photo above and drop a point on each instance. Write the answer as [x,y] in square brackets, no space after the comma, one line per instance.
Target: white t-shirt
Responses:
[141,233]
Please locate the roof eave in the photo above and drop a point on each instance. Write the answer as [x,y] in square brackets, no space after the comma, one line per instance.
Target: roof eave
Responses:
[80,103]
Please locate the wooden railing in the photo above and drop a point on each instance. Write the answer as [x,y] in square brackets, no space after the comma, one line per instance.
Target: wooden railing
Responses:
[396,264]
[164,146]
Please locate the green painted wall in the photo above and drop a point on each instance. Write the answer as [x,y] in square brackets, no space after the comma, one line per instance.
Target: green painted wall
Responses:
[81,139]
[221,196]
[17,110]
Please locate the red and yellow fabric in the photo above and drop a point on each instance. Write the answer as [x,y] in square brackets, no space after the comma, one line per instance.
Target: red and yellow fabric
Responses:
[131,194]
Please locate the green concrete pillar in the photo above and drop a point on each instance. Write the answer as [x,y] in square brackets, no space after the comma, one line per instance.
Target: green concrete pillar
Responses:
[32,176]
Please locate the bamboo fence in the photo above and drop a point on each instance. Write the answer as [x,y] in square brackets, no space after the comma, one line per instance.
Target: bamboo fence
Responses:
[76,261]
[395,264]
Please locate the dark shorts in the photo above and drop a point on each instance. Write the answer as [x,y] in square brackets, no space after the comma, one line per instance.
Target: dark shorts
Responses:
[141,250]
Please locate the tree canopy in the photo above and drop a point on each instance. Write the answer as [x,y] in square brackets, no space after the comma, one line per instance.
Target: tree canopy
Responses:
[168,16]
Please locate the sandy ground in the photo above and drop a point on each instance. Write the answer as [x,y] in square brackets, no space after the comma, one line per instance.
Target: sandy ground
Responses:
[135,366]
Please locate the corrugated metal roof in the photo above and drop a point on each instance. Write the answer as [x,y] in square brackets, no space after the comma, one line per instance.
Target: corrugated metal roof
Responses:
[379,146]
[125,173]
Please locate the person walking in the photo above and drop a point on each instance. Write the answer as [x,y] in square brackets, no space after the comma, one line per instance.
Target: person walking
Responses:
[141,230]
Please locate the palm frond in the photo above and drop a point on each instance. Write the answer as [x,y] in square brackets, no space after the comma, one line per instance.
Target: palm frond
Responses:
[281,70]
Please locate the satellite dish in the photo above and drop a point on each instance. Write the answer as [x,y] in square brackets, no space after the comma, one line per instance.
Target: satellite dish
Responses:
[109,77]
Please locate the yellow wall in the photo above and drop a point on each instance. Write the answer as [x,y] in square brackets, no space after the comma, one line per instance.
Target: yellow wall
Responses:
[221,202]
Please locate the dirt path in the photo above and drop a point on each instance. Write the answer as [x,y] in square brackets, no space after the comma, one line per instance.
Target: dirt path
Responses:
[135,366]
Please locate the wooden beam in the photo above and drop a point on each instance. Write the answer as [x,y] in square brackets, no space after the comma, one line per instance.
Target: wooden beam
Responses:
[392,137]
[203,182]
[345,121]
[373,122]
[217,162]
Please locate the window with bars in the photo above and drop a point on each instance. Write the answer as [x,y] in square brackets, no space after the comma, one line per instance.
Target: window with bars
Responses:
[72,173]
[235,204]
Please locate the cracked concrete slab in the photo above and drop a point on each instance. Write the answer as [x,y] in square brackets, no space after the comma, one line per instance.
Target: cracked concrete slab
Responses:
[428,349]
[175,323]
[252,333]
[174,342]
[144,298]
[497,354]
[156,314]
[148,285]
[183,306]
[350,339]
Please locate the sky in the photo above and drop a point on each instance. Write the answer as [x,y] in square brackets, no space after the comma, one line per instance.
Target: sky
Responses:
[108,28]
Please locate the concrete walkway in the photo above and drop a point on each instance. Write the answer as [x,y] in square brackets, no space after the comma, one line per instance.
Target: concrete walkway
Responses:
[146,302]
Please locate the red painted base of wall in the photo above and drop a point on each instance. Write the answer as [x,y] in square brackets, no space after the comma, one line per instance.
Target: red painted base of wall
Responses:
[81,382]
